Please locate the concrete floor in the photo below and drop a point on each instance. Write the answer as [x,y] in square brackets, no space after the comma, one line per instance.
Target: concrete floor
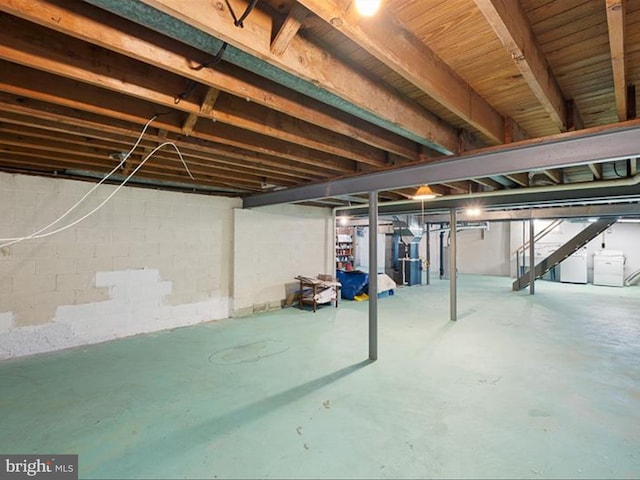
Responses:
[520,387]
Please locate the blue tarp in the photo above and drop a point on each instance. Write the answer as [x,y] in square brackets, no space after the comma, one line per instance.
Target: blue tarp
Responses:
[353,283]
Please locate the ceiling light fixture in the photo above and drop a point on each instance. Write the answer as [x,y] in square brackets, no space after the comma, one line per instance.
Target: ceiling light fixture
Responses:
[424,192]
[473,211]
[367,8]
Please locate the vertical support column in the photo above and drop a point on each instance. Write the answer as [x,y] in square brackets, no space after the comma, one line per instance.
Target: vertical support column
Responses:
[453,274]
[428,255]
[524,248]
[335,243]
[441,252]
[373,275]
[532,259]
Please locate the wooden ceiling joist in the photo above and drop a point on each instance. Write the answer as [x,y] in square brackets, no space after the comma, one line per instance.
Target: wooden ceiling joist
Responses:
[311,64]
[510,24]
[556,175]
[522,179]
[306,99]
[288,29]
[488,182]
[123,139]
[615,21]
[84,22]
[53,165]
[31,137]
[397,48]
[23,82]
[596,170]
[39,49]
[163,160]
[206,108]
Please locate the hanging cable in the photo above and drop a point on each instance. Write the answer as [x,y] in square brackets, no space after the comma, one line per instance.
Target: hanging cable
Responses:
[187,92]
[615,169]
[192,84]
[238,22]
[65,214]
[215,60]
[13,241]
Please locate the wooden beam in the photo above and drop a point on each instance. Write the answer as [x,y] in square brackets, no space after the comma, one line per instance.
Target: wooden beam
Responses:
[631,102]
[208,164]
[512,131]
[385,39]
[61,119]
[289,29]
[20,81]
[521,179]
[461,186]
[596,170]
[189,123]
[615,22]
[206,108]
[488,182]
[44,162]
[510,24]
[44,50]
[165,160]
[556,175]
[313,65]
[80,20]
[574,120]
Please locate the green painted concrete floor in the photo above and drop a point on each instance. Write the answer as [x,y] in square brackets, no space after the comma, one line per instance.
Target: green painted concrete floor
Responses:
[520,387]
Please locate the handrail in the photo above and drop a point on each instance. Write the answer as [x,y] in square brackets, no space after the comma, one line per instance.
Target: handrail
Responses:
[539,236]
[632,278]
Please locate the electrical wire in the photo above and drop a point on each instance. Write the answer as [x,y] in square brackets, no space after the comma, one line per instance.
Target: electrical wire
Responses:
[65,214]
[238,22]
[192,84]
[38,234]
[187,92]
[103,203]
[215,60]
[615,169]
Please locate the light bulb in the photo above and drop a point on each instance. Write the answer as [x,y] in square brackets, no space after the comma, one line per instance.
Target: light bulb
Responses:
[367,8]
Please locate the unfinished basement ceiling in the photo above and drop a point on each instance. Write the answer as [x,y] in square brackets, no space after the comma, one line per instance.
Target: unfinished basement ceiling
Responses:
[308,91]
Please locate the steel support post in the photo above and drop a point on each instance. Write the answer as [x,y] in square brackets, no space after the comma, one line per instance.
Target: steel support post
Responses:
[373,275]
[453,274]
[532,259]
[428,266]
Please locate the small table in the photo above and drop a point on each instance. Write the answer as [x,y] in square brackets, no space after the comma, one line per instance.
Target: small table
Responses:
[318,287]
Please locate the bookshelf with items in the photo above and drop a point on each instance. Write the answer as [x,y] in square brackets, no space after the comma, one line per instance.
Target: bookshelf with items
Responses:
[344,249]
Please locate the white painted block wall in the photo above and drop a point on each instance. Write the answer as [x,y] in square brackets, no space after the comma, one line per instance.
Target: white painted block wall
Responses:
[149,260]
[477,253]
[273,245]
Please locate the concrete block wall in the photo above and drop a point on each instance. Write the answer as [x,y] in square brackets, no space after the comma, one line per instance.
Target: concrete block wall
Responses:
[273,245]
[149,260]
[483,252]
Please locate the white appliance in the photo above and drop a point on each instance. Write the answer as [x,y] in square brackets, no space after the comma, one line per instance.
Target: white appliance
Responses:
[574,268]
[608,268]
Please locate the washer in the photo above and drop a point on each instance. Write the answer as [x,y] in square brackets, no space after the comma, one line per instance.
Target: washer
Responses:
[573,269]
[608,268]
